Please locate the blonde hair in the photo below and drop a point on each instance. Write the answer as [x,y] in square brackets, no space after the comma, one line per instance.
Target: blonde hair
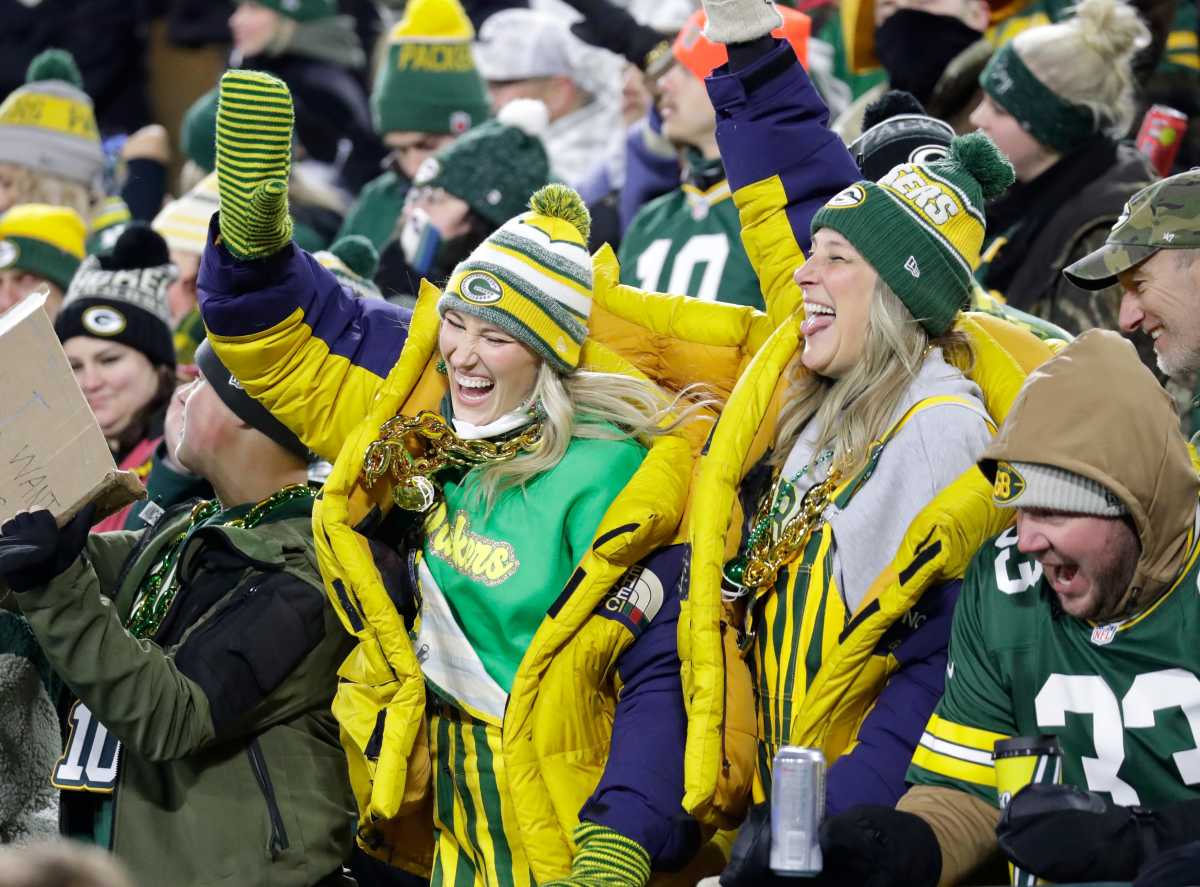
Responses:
[854,410]
[598,406]
[1087,59]
[29,186]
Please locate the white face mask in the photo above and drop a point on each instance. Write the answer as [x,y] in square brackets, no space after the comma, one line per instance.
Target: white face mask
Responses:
[419,241]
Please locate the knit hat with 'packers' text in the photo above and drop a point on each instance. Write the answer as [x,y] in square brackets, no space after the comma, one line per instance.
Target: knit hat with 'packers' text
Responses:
[428,81]
[48,124]
[921,227]
[122,296]
[496,167]
[533,277]
[302,10]
[43,240]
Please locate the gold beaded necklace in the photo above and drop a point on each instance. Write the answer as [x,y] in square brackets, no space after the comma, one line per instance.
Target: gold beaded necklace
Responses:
[161,584]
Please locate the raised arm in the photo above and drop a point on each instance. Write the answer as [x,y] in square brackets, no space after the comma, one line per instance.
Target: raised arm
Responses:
[782,160]
[308,349]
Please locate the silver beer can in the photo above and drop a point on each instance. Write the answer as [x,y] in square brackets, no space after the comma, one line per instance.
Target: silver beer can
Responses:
[797,806]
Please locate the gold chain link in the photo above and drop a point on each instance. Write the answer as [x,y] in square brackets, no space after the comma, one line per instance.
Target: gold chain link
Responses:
[765,558]
[412,449]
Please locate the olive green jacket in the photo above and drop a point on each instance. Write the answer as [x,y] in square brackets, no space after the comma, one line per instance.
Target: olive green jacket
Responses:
[230,770]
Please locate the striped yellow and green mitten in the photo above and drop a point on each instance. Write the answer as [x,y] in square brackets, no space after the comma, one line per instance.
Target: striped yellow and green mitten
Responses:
[605,858]
[254,159]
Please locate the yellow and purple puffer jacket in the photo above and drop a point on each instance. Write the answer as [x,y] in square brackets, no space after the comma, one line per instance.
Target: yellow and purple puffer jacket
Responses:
[783,164]
[334,369]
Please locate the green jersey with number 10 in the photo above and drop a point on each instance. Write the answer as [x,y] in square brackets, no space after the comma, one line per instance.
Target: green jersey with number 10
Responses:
[1123,699]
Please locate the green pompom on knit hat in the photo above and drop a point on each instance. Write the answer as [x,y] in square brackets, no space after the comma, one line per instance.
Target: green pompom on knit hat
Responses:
[48,125]
[354,262]
[198,132]
[302,10]
[533,277]
[428,81]
[496,167]
[922,225]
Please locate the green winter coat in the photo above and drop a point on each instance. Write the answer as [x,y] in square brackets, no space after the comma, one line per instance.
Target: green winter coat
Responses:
[230,770]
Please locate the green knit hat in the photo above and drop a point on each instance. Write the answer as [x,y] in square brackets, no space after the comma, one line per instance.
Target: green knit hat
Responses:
[43,240]
[921,227]
[354,262]
[301,10]
[108,221]
[496,167]
[428,81]
[198,133]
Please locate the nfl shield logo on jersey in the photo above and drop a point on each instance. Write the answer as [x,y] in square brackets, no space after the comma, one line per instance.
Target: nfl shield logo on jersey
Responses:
[1103,634]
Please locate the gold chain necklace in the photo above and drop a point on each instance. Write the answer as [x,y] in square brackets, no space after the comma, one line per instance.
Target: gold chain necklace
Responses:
[412,449]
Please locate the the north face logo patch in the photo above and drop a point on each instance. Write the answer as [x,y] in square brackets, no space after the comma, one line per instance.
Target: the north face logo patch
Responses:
[912,267]
[636,600]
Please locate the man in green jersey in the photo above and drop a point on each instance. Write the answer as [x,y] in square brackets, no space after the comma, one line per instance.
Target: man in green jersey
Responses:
[1080,621]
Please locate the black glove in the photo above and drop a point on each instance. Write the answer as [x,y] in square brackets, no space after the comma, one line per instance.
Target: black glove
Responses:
[868,846]
[1063,833]
[610,27]
[1175,868]
[33,550]
[879,847]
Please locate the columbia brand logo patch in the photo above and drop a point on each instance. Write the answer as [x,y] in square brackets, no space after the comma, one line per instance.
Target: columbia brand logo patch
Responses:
[1009,484]
[848,197]
[637,598]
[9,253]
[1102,635]
[427,171]
[460,122]
[103,320]
[912,267]
[481,288]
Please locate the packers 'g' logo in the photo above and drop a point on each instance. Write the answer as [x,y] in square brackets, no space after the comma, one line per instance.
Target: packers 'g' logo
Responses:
[928,154]
[103,320]
[852,196]
[481,288]
[1009,483]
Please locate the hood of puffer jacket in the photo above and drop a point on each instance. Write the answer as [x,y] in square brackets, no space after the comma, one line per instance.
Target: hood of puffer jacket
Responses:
[1096,410]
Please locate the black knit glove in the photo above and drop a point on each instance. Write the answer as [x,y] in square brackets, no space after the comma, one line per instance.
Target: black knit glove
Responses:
[878,846]
[33,550]
[1063,833]
[610,27]
[868,846]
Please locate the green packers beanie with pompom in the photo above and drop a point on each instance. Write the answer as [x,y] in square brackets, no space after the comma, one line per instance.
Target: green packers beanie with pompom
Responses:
[922,225]
[533,277]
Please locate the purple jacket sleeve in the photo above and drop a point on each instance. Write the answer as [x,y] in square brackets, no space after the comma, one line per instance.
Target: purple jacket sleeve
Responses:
[641,791]
[239,298]
[771,122]
[873,772]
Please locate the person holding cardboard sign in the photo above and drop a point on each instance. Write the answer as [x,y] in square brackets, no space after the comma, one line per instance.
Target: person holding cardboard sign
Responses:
[202,656]
[114,326]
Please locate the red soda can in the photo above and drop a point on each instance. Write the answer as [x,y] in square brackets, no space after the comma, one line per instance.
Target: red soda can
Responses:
[1161,135]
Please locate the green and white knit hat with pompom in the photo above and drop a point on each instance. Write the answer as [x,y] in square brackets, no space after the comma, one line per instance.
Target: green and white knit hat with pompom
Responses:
[922,225]
[533,277]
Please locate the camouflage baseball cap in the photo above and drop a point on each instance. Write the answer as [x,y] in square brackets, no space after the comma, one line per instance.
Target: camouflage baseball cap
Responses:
[1164,215]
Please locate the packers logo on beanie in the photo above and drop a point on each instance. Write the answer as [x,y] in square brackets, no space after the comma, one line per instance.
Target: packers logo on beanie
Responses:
[122,296]
[533,277]
[428,81]
[922,225]
[48,124]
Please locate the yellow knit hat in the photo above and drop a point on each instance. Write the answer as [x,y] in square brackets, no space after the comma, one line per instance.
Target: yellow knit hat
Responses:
[48,124]
[44,240]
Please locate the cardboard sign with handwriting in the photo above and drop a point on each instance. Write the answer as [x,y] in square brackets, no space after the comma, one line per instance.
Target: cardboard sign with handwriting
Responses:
[52,453]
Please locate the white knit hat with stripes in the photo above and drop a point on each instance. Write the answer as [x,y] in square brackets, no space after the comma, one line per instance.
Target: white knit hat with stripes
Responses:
[533,277]
[183,223]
